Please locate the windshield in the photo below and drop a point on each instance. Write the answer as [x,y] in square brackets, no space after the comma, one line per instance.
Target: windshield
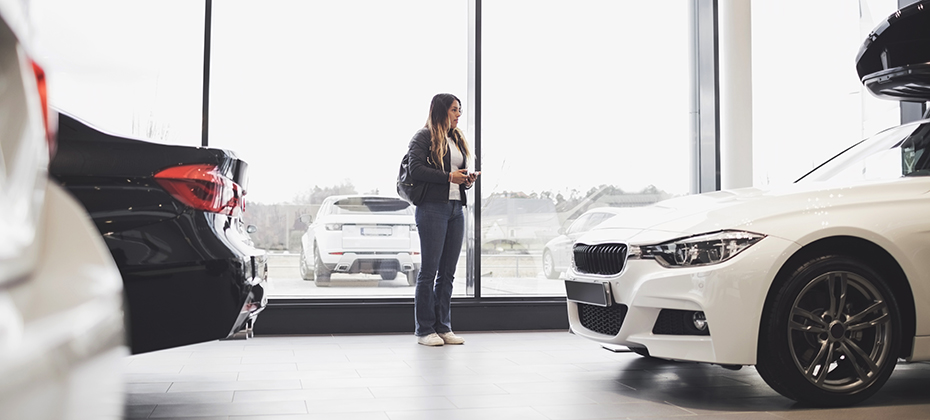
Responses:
[379,205]
[893,153]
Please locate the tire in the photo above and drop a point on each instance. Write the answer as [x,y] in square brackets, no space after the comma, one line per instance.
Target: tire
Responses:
[548,264]
[412,276]
[832,311]
[320,272]
[305,272]
[389,275]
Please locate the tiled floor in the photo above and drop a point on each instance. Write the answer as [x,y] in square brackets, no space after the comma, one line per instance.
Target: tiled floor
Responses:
[495,375]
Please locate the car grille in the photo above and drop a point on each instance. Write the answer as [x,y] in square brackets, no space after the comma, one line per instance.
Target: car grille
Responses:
[604,259]
[600,319]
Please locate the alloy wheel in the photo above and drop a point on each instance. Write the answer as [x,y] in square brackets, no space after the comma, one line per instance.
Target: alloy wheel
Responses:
[839,332]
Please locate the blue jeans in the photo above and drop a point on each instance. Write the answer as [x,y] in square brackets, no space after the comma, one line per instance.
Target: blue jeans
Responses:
[442,228]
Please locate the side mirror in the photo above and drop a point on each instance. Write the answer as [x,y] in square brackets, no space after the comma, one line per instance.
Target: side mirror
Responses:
[251,229]
[306,219]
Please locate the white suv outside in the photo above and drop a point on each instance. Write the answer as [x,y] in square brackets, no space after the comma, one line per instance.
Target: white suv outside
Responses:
[368,234]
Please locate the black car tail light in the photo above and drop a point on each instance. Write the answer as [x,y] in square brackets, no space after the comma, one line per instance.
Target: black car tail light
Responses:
[202,187]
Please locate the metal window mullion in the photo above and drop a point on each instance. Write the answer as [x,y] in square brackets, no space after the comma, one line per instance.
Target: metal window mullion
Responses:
[473,230]
[205,115]
[705,97]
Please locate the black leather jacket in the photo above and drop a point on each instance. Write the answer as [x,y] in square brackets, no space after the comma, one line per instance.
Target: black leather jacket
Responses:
[422,168]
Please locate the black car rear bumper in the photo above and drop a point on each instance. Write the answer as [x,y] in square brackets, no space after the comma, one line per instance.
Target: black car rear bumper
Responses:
[183,292]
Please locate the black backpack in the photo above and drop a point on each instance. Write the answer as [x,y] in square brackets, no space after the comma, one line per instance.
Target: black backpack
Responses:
[407,188]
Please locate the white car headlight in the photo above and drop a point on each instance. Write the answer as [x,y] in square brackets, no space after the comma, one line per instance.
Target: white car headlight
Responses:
[333,226]
[704,249]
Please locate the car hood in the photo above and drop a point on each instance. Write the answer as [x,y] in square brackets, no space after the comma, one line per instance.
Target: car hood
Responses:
[789,212]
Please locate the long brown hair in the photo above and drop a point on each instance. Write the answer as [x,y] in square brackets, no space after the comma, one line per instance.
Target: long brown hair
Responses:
[439,127]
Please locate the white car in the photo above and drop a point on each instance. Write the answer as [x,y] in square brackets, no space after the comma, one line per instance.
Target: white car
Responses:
[823,284]
[62,336]
[361,234]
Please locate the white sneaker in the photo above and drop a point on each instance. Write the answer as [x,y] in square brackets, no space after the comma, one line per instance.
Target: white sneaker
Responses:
[451,338]
[430,340]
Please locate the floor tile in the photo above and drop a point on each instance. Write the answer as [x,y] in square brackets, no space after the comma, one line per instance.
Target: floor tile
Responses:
[302,374]
[239,367]
[233,385]
[379,404]
[228,409]
[445,390]
[179,398]
[147,387]
[309,395]
[521,400]
[507,413]
[369,415]
[535,375]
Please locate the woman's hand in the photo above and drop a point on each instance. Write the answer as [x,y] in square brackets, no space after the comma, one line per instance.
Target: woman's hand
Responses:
[472,177]
[459,177]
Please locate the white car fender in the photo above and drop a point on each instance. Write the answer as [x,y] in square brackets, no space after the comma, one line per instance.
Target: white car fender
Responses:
[62,339]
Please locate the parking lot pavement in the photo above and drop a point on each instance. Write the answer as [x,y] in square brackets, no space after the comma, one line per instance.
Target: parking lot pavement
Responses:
[500,279]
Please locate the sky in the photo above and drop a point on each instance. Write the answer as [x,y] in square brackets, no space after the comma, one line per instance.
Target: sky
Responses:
[319,93]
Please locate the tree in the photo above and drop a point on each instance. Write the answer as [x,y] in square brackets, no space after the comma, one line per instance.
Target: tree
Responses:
[316,195]
[149,129]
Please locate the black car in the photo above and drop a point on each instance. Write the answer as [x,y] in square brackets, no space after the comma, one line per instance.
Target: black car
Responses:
[170,216]
[894,61]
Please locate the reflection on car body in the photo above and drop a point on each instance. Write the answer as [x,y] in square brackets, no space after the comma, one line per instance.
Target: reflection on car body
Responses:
[170,216]
[822,285]
[62,342]
[557,254]
[361,234]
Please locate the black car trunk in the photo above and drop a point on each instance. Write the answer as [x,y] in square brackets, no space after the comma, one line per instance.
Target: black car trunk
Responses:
[186,270]
[84,151]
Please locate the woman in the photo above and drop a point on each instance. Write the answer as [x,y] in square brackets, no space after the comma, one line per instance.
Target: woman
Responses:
[438,157]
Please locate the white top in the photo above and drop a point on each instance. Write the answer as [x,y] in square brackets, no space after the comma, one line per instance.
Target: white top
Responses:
[457,161]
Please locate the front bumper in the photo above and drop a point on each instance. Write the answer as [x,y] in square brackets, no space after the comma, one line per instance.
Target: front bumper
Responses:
[650,306]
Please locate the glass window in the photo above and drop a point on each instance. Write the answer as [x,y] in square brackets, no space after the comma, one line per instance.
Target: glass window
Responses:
[597,219]
[322,99]
[580,224]
[372,206]
[808,102]
[585,106]
[129,68]
[897,152]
